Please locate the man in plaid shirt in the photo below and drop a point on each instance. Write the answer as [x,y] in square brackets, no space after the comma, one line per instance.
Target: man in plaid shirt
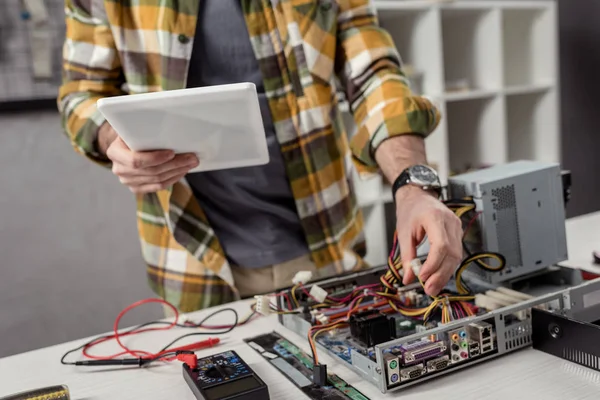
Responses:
[212,237]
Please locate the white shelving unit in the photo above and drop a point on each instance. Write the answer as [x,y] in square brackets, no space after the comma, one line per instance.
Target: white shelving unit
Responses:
[492,67]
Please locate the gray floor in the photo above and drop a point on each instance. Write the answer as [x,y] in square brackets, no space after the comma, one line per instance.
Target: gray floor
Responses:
[69,254]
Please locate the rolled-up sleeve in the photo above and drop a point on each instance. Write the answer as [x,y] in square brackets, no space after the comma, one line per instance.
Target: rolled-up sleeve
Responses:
[370,71]
[91,70]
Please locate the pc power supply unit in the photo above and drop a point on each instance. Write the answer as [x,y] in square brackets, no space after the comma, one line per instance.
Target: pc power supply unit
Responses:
[522,216]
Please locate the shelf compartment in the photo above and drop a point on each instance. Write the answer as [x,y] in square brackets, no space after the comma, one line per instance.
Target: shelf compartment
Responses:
[532,134]
[416,34]
[471,49]
[476,133]
[529,46]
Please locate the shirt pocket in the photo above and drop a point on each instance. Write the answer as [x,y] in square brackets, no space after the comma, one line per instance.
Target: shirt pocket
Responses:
[313,34]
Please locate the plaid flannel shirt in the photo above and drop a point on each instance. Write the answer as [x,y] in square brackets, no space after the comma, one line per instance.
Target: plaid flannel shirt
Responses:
[305,48]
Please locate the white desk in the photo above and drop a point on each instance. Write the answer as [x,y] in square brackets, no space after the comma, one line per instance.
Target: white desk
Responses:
[522,375]
[583,237]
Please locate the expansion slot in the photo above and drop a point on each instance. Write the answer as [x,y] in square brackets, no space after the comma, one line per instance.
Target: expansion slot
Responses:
[296,366]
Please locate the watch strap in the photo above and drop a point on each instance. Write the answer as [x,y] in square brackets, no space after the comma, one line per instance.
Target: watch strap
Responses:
[402,180]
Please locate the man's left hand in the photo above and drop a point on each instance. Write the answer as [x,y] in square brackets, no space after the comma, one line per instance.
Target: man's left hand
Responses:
[420,213]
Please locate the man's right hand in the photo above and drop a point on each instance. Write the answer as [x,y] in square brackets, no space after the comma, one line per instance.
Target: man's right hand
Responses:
[143,172]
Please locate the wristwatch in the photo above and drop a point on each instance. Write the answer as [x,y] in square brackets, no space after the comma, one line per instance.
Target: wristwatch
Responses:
[419,175]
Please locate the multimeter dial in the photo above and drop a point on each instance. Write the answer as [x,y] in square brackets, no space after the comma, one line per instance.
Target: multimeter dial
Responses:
[225,375]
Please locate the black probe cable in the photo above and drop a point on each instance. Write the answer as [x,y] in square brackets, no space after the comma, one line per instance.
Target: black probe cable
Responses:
[140,361]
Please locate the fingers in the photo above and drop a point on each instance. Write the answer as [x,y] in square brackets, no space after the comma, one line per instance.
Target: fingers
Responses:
[445,234]
[140,180]
[155,187]
[408,252]
[188,161]
[119,153]
[151,171]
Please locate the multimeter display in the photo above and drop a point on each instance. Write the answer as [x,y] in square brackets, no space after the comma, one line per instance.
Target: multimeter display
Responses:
[232,387]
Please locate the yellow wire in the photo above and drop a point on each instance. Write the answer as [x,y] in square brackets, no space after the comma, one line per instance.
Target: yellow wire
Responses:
[294,288]
[459,283]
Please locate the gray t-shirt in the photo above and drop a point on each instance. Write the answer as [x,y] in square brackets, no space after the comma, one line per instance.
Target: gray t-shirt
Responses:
[252,210]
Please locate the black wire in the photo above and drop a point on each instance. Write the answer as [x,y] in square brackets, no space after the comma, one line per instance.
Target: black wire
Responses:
[138,327]
[199,325]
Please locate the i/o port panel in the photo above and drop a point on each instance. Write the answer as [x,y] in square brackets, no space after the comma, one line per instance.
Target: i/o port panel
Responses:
[459,345]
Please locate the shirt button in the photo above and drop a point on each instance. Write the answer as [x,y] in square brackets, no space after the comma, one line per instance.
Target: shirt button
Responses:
[183,39]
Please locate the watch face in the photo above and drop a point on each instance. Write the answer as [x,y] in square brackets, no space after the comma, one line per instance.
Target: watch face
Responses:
[423,175]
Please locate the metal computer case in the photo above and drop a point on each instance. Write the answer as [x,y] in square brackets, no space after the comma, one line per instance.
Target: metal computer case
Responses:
[522,215]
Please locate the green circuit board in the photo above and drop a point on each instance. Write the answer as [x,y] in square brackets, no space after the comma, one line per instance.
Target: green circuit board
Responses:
[297,366]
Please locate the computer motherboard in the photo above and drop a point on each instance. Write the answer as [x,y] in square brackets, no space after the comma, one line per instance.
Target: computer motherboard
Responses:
[395,335]
[393,350]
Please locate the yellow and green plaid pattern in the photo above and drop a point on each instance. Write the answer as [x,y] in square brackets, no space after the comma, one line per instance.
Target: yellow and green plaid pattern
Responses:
[305,49]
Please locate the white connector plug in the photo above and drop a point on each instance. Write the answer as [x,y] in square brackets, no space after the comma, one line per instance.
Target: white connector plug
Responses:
[318,293]
[416,265]
[302,277]
[322,318]
[263,305]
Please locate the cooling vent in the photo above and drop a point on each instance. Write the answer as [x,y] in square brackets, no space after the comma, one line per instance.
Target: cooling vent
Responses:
[582,358]
[457,191]
[518,335]
[507,225]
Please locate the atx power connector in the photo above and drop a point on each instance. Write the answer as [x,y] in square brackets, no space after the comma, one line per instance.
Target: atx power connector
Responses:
[318,293]
[263,305]
[302,277]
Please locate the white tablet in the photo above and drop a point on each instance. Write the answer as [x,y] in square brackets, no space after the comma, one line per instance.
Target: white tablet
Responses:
[221,124]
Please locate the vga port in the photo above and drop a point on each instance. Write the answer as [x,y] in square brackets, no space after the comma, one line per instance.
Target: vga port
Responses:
[412,372]
[438,364]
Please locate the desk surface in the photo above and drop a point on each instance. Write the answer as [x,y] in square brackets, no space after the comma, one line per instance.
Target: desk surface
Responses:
[520,375]
[583,237]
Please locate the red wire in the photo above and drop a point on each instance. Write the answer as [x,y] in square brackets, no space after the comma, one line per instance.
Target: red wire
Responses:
[471,222]
[117,336]
[287,298]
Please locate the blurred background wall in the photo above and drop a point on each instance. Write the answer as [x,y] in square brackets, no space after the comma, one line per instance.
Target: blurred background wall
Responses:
[580,82]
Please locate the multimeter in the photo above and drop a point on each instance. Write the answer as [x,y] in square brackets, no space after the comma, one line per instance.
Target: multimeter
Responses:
[225,376]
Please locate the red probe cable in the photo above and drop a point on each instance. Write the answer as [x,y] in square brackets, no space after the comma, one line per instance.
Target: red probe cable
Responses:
[141,355]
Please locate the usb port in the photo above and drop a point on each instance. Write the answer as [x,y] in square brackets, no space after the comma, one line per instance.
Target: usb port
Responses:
[487,348]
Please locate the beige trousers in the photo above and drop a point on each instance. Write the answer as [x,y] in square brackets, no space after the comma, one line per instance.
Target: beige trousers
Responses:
[252,281]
